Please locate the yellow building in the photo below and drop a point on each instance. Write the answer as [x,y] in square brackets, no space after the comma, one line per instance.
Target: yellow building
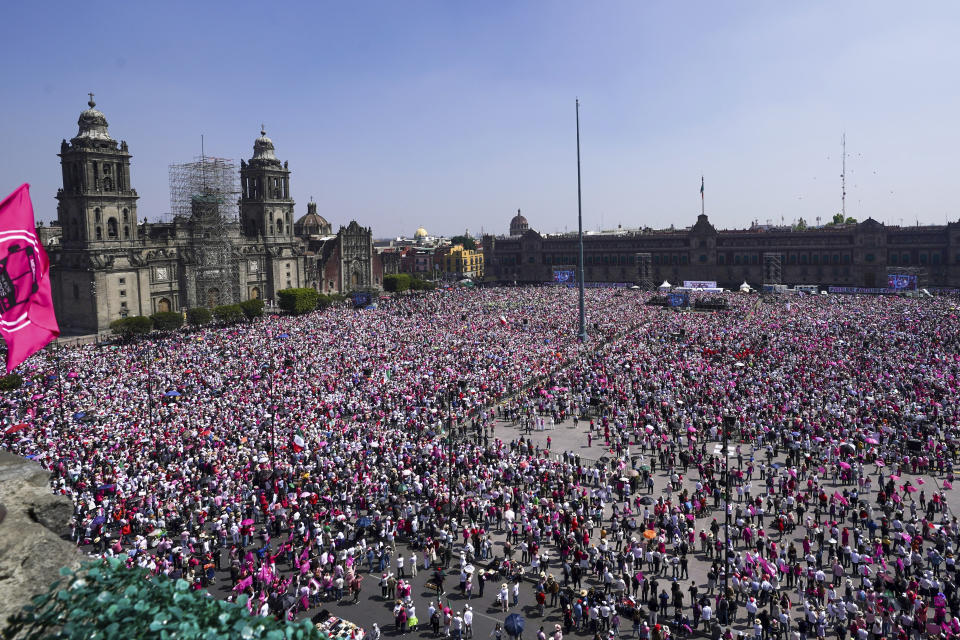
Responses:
[462,263]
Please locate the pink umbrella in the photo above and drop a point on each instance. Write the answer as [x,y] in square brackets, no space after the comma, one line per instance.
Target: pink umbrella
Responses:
[920,481]
[880,462]
[909,488]
[894,477]
[947,484]
[844,465]
[246,522]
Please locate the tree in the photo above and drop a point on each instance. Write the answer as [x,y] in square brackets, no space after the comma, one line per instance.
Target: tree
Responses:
[198,316]
[323,301]
[850,220]
[801,225]
[396,282]
[105,599]
[167,320]
[468,243]
[11,382]
[838,218]
[298,300]
[228,313]
[132,326]
[252,308]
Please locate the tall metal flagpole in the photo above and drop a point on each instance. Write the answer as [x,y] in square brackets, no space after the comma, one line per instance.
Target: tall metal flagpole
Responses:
[582,336]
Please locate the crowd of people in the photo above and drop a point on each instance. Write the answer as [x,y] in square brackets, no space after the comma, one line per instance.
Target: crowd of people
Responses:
[298,458]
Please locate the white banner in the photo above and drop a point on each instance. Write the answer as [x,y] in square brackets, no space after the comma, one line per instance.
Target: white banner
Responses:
[700,284]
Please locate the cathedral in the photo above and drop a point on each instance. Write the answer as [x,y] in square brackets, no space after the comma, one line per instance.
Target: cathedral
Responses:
[107,264]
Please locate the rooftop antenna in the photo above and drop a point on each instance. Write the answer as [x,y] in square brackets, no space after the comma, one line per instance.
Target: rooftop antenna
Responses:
[203,172]
[843,176]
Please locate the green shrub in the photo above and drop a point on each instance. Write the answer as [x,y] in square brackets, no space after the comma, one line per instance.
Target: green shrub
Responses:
[167,320]
[228,313]
[132,326]
[110,601]
[298,300]
[198,316]
[417,284]
[396,282]
[252,308]
[324,301]
[10,382]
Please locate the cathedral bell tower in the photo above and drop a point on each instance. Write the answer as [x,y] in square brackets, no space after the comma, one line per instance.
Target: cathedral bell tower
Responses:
[266,209]
[97,207]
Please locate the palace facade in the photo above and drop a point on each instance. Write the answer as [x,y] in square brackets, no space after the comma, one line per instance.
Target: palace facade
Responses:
[849,255]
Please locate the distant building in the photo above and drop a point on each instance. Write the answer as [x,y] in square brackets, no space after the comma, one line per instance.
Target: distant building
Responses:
[851,255]
[459,263]
[107,264]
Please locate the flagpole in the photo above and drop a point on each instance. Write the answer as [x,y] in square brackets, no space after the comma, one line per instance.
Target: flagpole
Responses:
[58,366]
[702,211]
[582,335]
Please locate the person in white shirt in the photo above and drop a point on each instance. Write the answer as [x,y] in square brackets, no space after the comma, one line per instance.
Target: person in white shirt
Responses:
[468,621]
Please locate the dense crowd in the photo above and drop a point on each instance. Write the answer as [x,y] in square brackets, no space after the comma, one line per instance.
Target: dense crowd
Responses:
[299,456]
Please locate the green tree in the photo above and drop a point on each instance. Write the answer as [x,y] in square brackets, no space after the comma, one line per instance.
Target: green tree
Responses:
[838,218]
[468,243]
[252,308]
[396,282]
[323,301]
[801,225]
[228,313]
[198,316]
[11,382]
[111,601]
[167,320]
[850,220]
[298,300]
[132,326]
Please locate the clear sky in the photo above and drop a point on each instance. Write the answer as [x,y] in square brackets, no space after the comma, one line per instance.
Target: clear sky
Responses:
[451,115]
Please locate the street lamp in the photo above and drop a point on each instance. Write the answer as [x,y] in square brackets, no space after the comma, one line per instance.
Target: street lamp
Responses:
[461,385]
[729,421]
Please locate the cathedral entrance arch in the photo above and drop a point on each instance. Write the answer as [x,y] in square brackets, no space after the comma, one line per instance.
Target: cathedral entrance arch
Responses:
[213,297]
[163,305]
[255,293]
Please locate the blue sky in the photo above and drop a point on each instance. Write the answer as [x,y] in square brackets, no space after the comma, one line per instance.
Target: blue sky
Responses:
[452,115]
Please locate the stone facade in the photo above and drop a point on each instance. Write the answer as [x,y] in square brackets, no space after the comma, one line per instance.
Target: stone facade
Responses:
[107,265]
[849,255]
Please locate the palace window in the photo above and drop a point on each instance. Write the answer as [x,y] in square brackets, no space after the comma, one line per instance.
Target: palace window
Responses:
[893,258]
[870,257]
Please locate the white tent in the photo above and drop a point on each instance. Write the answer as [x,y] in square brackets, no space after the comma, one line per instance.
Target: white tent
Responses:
[745,288]
[666,285]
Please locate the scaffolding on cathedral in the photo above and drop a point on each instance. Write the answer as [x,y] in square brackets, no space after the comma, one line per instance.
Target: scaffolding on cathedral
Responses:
[205,191]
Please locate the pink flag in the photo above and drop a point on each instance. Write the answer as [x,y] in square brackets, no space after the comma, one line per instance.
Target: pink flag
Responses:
[27,321]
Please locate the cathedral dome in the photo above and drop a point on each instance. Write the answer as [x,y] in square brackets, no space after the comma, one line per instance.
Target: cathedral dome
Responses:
[312,223]
[420,233]
[518,224]
[263,147]
[92,124]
